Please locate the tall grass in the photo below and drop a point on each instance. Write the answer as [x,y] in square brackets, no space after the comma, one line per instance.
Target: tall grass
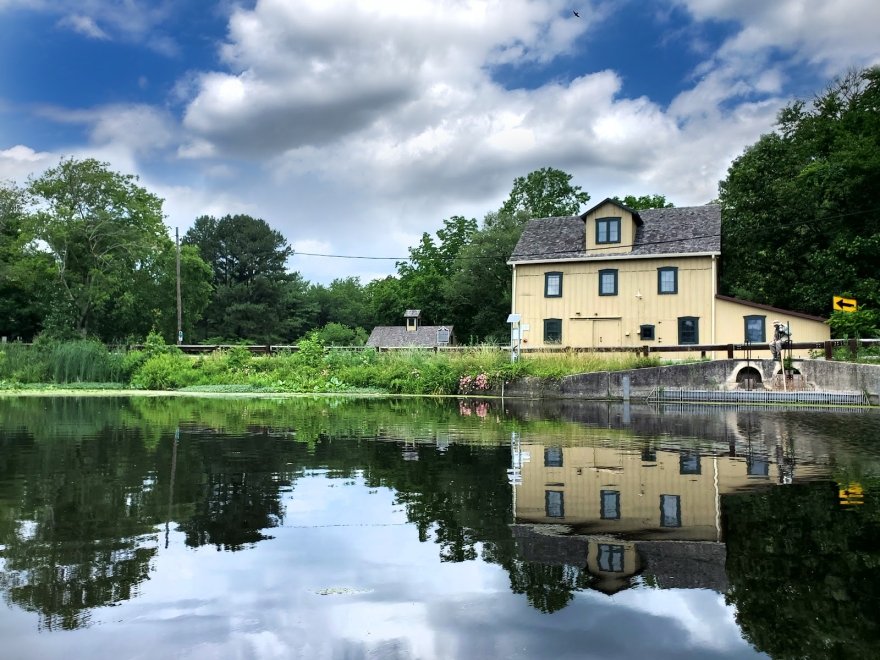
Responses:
[21,363]
[310,369]
[61,362]
[83,362]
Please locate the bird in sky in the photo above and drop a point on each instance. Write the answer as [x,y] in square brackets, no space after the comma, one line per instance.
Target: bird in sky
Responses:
[575,13]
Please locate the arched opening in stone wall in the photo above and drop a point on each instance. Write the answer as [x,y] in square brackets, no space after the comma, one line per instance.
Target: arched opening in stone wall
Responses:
[748,378]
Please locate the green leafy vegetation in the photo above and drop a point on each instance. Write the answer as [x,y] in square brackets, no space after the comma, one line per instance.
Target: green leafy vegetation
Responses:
[803,570]
[801,207]
[311,368]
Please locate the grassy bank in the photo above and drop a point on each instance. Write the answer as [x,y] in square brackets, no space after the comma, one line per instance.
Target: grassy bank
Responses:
[313,368]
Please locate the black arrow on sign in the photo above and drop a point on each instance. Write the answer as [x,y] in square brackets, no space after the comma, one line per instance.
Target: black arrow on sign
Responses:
[844,304]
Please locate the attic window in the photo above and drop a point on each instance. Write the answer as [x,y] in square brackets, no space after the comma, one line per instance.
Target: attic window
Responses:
[607,230]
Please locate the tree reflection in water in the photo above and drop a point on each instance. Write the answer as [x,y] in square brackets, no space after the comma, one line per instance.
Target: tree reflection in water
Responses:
[87,486]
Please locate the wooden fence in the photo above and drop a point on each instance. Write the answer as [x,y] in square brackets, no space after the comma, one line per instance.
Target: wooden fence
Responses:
[731,351]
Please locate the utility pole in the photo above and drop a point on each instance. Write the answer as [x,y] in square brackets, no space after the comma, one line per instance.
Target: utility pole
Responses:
[179,305]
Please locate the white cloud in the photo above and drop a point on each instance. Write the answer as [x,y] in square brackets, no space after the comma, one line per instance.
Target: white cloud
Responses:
[140,129]
[19,162]
[355,125]
[138,21]
[312,74]
[833,34]
[84,25]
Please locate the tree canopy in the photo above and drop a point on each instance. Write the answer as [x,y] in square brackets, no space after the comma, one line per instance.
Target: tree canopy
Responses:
[84,251]
[801,207]
[643,202]
[248,260]
[544,193]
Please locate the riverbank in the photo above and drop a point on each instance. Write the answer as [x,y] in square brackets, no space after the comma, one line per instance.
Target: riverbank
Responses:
[311,369]
[89,369]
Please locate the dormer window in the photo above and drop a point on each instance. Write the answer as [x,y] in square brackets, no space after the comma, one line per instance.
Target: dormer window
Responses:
[607,230]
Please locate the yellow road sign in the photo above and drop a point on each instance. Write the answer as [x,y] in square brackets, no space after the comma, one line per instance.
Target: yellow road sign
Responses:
[844,304]
[851,494]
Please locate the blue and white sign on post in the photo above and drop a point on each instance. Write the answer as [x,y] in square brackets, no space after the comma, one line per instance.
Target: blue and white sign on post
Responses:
[180,336]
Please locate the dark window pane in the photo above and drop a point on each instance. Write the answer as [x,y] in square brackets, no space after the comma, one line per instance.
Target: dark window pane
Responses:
[610,558]
[552,285]
[554,503]
[758,466]
[670,511]
[689,463]
[646,332]
[756,329]
[688,330]
[610,504]
[552,331]
[552,456]
[608,282]
[667,280]
[608,230]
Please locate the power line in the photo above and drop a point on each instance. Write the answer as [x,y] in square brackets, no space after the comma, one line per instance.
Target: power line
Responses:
[576,253]
[527,254]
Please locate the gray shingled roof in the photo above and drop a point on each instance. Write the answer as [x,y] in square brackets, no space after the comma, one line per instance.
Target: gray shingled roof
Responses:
[396,336]
[663,231]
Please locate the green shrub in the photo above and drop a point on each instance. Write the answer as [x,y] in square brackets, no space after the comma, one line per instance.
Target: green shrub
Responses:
[165,371]
[129,363]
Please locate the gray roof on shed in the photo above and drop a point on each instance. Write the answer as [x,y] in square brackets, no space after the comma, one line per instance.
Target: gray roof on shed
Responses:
[397,336]
[689,229]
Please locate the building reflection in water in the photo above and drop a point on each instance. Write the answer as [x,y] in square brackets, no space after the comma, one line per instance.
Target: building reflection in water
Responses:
[630,515]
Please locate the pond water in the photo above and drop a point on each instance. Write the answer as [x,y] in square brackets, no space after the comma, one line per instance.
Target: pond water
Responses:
[381,528]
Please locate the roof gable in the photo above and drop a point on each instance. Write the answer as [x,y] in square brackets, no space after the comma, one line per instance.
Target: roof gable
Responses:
[614,202]
[684,230]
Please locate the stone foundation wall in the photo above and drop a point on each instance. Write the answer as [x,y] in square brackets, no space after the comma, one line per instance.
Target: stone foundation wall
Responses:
[714,374]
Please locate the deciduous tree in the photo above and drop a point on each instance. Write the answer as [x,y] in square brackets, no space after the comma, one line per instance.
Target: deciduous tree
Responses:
[801,207]
[100,228]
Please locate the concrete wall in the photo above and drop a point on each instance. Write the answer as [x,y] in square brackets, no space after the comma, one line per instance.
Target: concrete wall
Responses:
[715,374]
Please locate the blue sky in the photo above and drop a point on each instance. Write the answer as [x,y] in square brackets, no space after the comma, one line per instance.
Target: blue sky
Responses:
[354,125]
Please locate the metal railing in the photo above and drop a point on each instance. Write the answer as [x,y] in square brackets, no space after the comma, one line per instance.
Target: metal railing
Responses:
[681,395]
[701,350]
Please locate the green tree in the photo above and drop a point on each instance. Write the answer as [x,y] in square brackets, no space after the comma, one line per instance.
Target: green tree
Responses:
[801,207]
[100,227]
[248,261]
[803,571]
[151,304]
[344,301]
[430,266]
[643,202]
[336,334]
[478,292]
[386,301]
[544,193]
[862,323]
[301,309]
[25,273]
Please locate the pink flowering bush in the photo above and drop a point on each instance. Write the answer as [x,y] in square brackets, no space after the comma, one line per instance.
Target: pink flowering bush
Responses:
[469,384]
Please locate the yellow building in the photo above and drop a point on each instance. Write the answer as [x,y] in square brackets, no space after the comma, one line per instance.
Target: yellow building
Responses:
[655,494]
[615,277]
